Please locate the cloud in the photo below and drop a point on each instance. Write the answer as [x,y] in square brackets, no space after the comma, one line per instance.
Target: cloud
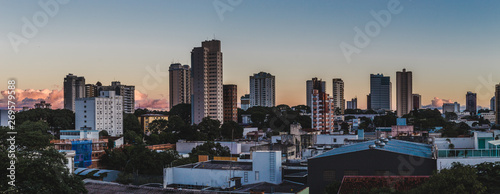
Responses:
[144,101]
[28,98]
[437,103]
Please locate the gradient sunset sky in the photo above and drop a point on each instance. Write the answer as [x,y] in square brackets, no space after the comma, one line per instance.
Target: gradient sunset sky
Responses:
[450,46]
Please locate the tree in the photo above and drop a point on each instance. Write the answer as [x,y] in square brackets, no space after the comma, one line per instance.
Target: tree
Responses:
[450,116]
[131,137]
[183,111]
[209,148]
[158,126]
[39,167]
[210,127]
[103,133]
[231,130]
[458,179]
[489,174]
[175,123]
[131,123]
[385,120]
[258,119]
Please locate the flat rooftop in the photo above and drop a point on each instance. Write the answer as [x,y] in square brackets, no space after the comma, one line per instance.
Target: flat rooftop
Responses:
[220,165]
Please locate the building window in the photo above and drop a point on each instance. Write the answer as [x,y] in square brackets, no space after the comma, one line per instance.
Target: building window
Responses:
[329,175]
[334,140]
[245,178]
[257,175]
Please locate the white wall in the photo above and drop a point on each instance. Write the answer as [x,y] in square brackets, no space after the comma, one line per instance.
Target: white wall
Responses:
[458,142]
[333,139]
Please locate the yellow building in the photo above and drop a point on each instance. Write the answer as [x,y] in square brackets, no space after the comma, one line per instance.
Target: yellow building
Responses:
[146,119]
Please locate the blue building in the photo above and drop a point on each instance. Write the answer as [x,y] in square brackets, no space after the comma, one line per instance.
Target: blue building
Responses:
[380,92]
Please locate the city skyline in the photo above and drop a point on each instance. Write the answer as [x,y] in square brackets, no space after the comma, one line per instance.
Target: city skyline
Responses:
[415,39]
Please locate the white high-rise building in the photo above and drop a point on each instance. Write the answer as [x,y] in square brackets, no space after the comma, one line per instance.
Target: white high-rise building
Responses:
[100,113]
[262,90]
[338,95]
[206,65]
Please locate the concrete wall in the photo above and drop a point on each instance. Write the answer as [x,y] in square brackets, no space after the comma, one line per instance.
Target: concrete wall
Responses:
[446,162]
[333,139]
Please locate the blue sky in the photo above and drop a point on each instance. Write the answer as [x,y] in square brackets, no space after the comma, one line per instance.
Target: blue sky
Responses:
[448,45]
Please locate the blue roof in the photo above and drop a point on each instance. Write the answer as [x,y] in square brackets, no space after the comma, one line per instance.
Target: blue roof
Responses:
[396,146]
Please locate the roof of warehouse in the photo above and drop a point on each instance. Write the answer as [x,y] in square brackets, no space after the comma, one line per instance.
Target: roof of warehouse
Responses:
[220,165]
[396,146]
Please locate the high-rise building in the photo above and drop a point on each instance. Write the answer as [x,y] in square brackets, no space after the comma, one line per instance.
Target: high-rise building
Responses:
[230,97]
[309,89]
[262,90]
[451,107]
[128,94]
[497,103]
[100,113]
[471,103]
[368,102]
[404,92]
[245,102]
[417,101]
[338,95]
[179,84]
[91,90]
[353,104]
[74,88]
[322,111]
[206,67]
[380,92]
[492,103]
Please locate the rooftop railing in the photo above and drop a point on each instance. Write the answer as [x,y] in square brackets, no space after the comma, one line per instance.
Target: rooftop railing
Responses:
[469,153]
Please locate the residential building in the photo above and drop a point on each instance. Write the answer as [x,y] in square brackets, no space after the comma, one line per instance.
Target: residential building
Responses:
[206,67]
[310,86]
[43,104]
[146,119]
[264,166]
[262,90]
[74,88]
[471,103]
[417,101]
[451,107]
[245,102]
[383,158]
[100,113]
[79,134]
[353,104]
[492,103]
[497,103]
[322,111]
[126,91]
[230,98]
[87,151]
[380,92]
[91,90]
[4,118]
[368,102]
[179,84]
[338,95]
[404,92]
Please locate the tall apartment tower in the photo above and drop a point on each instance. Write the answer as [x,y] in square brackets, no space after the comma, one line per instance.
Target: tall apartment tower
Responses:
[380,92]
[74,88]
[245,102]
[338,95]
[404,92]
[91,90]
[492,103]
[128,94]
[179,84]
[417,101]
[206,65]
[471,103]
[230,97]
[310,87]
[353,104]
[322,111]
[497,103]
[262,90]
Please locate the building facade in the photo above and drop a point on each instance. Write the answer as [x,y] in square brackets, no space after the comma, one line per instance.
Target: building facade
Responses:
[262,90]
[404,92]
[146,119]
[471,103]
[206,65]
[245,101]
[322,111]
[338,95]
[100,113]
[451,107]
[417,101]
[179,84]
[74,88]
[380,92]
[353,104]
[230,97]
[309,89]
[492,103]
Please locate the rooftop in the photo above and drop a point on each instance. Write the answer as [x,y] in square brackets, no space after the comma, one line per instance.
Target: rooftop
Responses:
[396,146]
[220,165]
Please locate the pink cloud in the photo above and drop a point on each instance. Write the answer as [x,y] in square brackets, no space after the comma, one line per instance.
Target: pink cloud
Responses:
[28,98]
[144,101]
[437,102]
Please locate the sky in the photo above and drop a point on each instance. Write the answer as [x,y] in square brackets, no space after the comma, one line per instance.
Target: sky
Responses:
[450,46]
